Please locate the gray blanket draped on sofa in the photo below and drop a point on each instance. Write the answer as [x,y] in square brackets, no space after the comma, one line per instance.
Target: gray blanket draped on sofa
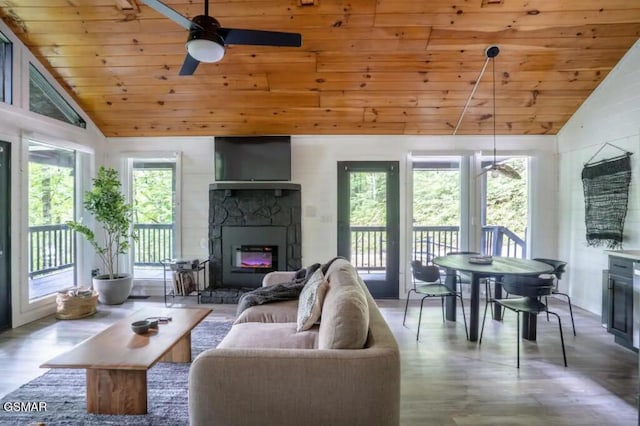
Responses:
[281,292]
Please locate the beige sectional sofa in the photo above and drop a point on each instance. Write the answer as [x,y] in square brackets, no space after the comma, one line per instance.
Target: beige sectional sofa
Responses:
[343,371]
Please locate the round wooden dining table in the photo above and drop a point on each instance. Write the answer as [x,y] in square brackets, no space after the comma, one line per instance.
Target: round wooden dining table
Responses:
[499,267]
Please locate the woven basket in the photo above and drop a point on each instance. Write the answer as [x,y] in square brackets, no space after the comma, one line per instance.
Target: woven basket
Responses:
[75,307]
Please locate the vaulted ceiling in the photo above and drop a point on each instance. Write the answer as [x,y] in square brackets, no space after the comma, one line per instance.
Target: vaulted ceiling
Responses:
[365,66]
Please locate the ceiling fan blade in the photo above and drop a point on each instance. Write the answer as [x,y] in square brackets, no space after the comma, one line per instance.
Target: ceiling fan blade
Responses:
[508,171]
[189,65]
[260,38]
[485,170]
[169,13]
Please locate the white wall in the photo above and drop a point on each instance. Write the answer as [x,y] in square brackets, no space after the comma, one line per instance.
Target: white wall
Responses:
[314,166]
[611,114]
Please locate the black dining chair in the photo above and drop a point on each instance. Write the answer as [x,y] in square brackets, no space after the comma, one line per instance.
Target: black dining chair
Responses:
[559,268]
[427,283]
[531,289]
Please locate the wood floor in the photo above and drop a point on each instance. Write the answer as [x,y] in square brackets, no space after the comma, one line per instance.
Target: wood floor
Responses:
[446,380]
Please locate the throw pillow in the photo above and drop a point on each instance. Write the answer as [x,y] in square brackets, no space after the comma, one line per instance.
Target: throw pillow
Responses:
[310,301]
[345,314]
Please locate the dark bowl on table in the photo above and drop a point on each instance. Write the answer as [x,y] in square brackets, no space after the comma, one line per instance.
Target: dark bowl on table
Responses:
[140,327]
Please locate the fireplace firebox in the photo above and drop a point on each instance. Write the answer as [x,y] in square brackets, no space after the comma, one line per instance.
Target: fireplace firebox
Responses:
[250,252]
[255,259]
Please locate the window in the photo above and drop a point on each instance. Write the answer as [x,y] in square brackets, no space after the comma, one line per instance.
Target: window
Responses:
[154,195]
[45,100]
[51,244]
[6,60]
[505,211]
[436,207]
[448,197]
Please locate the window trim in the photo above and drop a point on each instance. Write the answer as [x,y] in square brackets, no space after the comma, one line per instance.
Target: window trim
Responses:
[69,112]
[128,159]
[6,61]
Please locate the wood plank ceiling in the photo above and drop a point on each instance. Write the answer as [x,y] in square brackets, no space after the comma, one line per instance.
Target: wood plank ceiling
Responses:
[365,67]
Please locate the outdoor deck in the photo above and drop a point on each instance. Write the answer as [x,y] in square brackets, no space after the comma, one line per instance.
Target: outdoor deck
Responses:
[62,279]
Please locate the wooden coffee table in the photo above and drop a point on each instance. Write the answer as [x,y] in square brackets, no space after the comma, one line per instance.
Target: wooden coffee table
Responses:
[117,359]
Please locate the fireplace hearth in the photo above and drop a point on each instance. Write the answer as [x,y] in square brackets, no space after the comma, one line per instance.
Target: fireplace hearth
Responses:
[254,228]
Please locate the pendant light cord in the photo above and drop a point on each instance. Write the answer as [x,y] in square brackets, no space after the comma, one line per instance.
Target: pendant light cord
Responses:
[473,92]
[493,63]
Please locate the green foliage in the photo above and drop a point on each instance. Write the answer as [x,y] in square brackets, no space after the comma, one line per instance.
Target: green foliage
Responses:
[107,204]
[50,194]
[153,195]
[368,198]
[507,199]
[436,197]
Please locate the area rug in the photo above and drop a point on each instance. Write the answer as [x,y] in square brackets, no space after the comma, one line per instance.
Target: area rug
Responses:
[63,391]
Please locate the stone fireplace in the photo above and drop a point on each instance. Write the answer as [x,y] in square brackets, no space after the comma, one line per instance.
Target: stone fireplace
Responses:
[254,228]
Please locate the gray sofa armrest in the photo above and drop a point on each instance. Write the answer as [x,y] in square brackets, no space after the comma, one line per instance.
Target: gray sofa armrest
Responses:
[295,387]
[277,277]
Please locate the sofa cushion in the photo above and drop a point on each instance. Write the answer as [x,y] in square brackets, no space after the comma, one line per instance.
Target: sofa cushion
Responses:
[270,335]
[286,311]
[310,301]
[338,264]
[345,312]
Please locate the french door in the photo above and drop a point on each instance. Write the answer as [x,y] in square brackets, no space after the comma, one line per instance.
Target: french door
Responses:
[369,222]
[5,220]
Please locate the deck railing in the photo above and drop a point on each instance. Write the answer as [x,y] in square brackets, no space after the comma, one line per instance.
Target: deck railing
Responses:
[501,241]
[155,243]
[368,244]
[52,247]
[434,241]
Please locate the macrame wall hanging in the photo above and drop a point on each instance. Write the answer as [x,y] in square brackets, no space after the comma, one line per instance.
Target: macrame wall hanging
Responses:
[606,192]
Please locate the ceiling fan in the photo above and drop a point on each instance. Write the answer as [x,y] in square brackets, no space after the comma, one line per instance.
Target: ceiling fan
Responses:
[496,168]
[207,38]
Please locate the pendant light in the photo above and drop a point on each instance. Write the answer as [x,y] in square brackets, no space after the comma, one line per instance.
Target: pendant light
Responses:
[496,168]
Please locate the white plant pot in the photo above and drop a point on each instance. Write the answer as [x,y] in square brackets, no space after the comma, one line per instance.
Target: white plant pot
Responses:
[113,291]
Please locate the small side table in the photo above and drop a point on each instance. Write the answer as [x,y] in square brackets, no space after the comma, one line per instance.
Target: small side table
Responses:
[181,265]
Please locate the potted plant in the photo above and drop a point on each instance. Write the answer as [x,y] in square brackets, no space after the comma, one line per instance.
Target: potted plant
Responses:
[107,204]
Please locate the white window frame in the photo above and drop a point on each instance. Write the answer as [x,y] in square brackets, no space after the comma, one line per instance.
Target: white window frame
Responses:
[128,159]
[84,162]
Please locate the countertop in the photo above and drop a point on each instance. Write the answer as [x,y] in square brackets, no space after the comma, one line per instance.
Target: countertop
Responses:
[629,254]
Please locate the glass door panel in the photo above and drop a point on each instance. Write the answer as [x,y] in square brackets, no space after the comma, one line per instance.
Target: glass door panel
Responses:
[368,222]
[51,244]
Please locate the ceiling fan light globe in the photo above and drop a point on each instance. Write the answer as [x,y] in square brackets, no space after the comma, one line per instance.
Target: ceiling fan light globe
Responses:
[495,173]
[205,50]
